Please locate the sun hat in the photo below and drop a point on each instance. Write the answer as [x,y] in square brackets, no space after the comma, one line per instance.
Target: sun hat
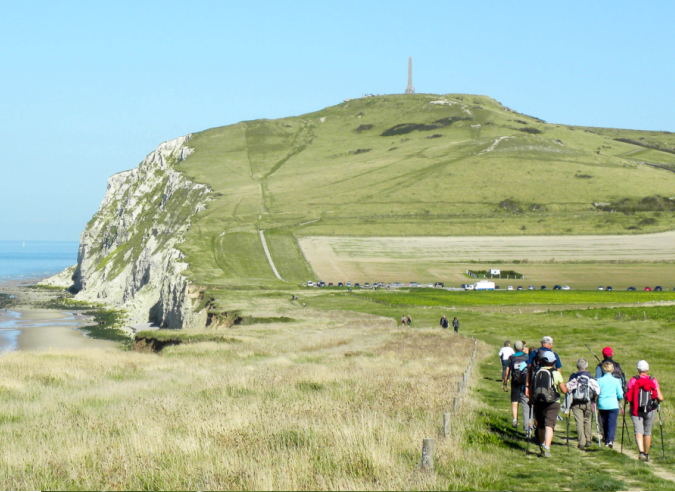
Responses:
[518,345]
[643,366]
[607,352]
[549,356]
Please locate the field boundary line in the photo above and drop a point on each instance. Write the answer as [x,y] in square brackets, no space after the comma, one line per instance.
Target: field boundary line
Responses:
[269,256]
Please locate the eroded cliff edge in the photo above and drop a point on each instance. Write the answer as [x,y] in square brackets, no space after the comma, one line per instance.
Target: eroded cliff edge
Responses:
[128,256]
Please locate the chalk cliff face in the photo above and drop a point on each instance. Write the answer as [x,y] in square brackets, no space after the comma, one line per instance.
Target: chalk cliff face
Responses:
[127,256]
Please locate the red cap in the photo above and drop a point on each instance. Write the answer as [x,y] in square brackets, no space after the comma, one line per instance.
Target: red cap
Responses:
[607,352]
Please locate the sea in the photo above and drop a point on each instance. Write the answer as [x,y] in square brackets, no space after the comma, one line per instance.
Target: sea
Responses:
[32,259]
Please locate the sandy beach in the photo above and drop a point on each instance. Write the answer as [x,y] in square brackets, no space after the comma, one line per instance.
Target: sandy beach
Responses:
[27,328]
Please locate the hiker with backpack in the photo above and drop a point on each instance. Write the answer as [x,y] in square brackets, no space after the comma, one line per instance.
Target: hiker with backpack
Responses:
[455,324]
[644,396]
[607,354]
[545,389]
[517,370]
[608,402]
[504,354]
[582,390]
[444,322]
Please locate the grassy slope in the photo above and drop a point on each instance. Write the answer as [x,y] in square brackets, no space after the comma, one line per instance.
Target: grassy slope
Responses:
[319,174]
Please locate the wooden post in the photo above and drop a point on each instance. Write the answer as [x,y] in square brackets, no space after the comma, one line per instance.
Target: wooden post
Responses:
[456,404]
[428,454]
[459,387]
[446,424]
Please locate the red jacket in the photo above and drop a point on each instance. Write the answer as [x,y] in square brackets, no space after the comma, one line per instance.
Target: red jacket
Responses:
[640,383]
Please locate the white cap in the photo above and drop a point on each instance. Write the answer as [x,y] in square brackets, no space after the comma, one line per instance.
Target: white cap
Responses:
[643,366]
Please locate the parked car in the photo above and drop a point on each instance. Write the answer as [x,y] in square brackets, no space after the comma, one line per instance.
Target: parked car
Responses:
[601,288]
[496,287]
[349,284]
[357,284]
[431,286]
[340,284]
[557,287]
[608,288]
[520,287]
[366,285]
[330,284]
[531,287]
[648,289]
[321,283]
[310,283]
[566,287]
[631,288]
[658,287]
[543,287]
[439,285]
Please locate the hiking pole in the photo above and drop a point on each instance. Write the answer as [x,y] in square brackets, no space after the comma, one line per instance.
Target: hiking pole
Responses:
[623,425]
[529,432]
[663,448]
[568,433]
[597,426]
[596,357]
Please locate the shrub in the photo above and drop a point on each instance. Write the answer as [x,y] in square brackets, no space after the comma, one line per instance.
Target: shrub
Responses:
[529,129]
[363,128]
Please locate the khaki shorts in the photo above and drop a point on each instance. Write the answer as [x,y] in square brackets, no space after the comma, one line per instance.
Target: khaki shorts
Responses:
[643,422]
[546,414]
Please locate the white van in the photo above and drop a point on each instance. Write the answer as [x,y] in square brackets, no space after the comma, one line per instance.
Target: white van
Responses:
[310,283]
[483,285]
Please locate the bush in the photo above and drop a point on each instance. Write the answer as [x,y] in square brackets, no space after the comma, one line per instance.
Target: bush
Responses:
[363,128]
[529,129]
[405,128]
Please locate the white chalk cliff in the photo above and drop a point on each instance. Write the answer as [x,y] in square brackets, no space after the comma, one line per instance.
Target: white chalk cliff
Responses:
[128,256]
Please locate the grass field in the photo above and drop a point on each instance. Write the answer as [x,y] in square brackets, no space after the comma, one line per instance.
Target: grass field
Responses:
[368,167]
[341,402]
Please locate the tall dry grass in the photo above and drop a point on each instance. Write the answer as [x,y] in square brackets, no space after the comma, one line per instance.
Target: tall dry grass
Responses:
[326,404]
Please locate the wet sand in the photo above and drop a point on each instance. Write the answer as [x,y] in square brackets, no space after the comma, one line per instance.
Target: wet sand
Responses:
[45,329]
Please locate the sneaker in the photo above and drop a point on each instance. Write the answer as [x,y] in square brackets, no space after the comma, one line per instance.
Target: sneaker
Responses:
[643,457]
[610,445]
[514,423]
[588,444]
[546,452]
[646,457]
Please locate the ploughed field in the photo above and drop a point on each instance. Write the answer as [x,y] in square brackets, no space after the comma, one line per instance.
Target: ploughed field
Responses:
[583,262]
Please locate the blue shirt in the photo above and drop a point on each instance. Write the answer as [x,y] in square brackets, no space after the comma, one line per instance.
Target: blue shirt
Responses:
[610,392]
[558,364]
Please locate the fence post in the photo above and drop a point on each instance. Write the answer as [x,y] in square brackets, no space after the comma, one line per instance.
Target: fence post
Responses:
[446,424]
[455,404]
[459,387]
[428,454]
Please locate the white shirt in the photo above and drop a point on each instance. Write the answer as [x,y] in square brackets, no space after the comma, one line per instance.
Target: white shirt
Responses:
[506,352]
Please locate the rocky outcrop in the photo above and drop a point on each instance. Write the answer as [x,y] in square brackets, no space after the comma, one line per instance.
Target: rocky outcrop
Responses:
[128,256]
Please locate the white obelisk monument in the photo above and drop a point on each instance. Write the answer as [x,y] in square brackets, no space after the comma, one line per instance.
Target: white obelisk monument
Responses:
[410,89]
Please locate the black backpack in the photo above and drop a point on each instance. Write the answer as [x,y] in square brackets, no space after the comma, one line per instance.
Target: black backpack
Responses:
[543,387]
[645,402]
[518,372]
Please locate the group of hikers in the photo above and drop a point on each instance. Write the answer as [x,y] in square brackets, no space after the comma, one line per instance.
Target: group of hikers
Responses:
[537,385]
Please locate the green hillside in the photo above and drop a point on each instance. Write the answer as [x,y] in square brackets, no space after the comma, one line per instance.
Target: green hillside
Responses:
[415,165]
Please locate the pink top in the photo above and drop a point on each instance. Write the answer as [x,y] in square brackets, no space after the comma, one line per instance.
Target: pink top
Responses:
[631,383]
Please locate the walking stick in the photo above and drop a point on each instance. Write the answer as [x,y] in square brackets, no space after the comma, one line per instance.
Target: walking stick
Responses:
[529,432]
[623,425]
[568,433]
[663,447]
[597,426]
[596,357]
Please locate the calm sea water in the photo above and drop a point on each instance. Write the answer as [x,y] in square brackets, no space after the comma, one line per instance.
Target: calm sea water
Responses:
[35,258]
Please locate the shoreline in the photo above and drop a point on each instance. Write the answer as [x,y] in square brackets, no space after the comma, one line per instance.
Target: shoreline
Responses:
[29,329]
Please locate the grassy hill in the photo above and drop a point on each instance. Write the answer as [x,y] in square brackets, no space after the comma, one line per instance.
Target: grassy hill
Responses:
[406,165]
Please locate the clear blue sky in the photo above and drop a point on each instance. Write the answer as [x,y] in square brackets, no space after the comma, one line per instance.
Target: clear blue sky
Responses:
[87,89]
